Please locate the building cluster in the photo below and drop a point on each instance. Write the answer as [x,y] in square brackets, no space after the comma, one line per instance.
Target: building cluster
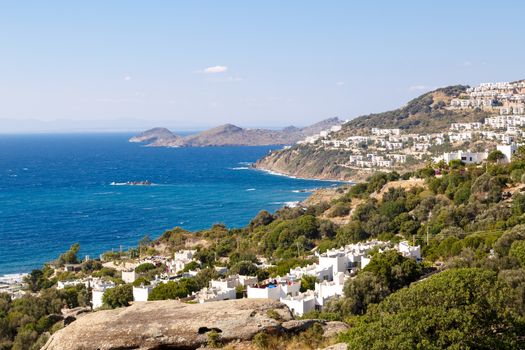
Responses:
[507,98]
[386,149]
[333,269]
[321,135]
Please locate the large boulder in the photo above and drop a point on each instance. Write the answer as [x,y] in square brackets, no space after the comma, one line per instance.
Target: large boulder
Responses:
[170,324]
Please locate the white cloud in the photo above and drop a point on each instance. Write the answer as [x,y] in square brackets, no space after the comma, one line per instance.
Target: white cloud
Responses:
[340,83]
[127,78]
[215,69]
[467,63]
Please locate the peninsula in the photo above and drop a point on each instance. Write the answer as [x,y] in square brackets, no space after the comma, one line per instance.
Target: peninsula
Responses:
[455,122]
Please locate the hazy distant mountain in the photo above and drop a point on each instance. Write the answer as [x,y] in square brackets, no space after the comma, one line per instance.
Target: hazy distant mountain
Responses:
[229,135]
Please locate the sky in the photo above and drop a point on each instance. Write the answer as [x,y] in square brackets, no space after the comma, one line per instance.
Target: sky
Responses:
[104,65]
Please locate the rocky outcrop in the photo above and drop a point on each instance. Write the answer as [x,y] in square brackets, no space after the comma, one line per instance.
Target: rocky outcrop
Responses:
[170,324]
[231,135]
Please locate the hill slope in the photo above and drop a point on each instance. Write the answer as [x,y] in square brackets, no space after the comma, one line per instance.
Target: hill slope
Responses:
[424,114]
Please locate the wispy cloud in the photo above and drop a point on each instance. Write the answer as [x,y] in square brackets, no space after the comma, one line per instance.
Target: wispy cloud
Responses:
[215,69]
[467,63]
[340,83]
[127,78]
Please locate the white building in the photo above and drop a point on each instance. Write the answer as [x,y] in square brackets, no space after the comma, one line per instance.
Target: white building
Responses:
[508,151]
[215,294]
[365,260]
[225,283]
[65,284]
[141,293]
[273,292]
[329,289]
[98,291]
[385,132]
[301,303]
[181,258]
[322,273]
[465,157]
[337,260]
[276,290]
[247,280]
[409,251]
[129,276]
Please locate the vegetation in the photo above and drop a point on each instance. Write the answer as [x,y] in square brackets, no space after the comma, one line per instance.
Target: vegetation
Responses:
[119,296]
[467,293]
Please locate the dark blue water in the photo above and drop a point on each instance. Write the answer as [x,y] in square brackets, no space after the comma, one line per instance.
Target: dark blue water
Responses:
[56,190]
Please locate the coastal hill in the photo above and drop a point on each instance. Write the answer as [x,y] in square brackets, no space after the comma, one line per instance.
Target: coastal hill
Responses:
[232,135]
[416,133]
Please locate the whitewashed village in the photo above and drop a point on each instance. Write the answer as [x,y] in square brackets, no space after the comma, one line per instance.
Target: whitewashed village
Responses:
[391,148]
[333,269]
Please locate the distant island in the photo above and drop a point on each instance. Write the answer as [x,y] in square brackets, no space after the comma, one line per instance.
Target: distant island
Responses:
[232,135]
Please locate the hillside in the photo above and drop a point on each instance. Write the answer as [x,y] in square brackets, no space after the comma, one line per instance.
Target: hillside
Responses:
[427,114]
[232,135]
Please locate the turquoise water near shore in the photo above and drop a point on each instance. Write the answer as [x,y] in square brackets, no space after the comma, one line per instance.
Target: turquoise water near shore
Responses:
[56,190]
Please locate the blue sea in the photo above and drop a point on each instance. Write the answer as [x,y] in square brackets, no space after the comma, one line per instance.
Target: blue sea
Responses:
[56,190]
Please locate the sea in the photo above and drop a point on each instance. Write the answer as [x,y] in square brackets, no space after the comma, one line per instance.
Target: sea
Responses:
[56,190]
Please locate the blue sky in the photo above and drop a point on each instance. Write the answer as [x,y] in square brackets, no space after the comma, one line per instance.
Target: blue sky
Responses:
[68,65]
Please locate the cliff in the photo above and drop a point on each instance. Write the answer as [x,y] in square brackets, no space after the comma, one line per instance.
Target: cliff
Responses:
[231,135]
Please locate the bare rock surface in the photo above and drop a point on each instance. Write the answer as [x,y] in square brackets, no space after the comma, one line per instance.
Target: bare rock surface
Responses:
[169,324]
[333,328]
[338,346]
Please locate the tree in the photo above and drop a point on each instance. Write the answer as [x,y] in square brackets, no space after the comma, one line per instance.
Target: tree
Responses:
[262,219]
[118,296]
[174,290]
[455,309]
[145,267]
[244,268]
[495,156]
[308,283]
[517,250]
[366,288]
[69,257]
[395,270]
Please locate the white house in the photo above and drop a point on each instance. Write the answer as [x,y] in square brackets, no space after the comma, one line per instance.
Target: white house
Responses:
[466,157]
[65,284]
[215,294]
[129,276]
[335,259]
[301,303]
[98,291]
[247,280]
[329,289]
[271,291]
[322,273]
[365,260]
[508,151]
[141,293]
[409,251]
[181,258]
[225,283]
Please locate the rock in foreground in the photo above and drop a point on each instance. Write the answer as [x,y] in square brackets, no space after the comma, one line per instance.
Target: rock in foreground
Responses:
[169,324]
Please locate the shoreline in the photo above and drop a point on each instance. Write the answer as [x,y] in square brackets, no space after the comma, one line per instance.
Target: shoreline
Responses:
[6,278]
[276,173]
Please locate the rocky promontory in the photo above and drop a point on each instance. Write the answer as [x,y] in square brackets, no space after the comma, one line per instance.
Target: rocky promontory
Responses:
[172,324]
